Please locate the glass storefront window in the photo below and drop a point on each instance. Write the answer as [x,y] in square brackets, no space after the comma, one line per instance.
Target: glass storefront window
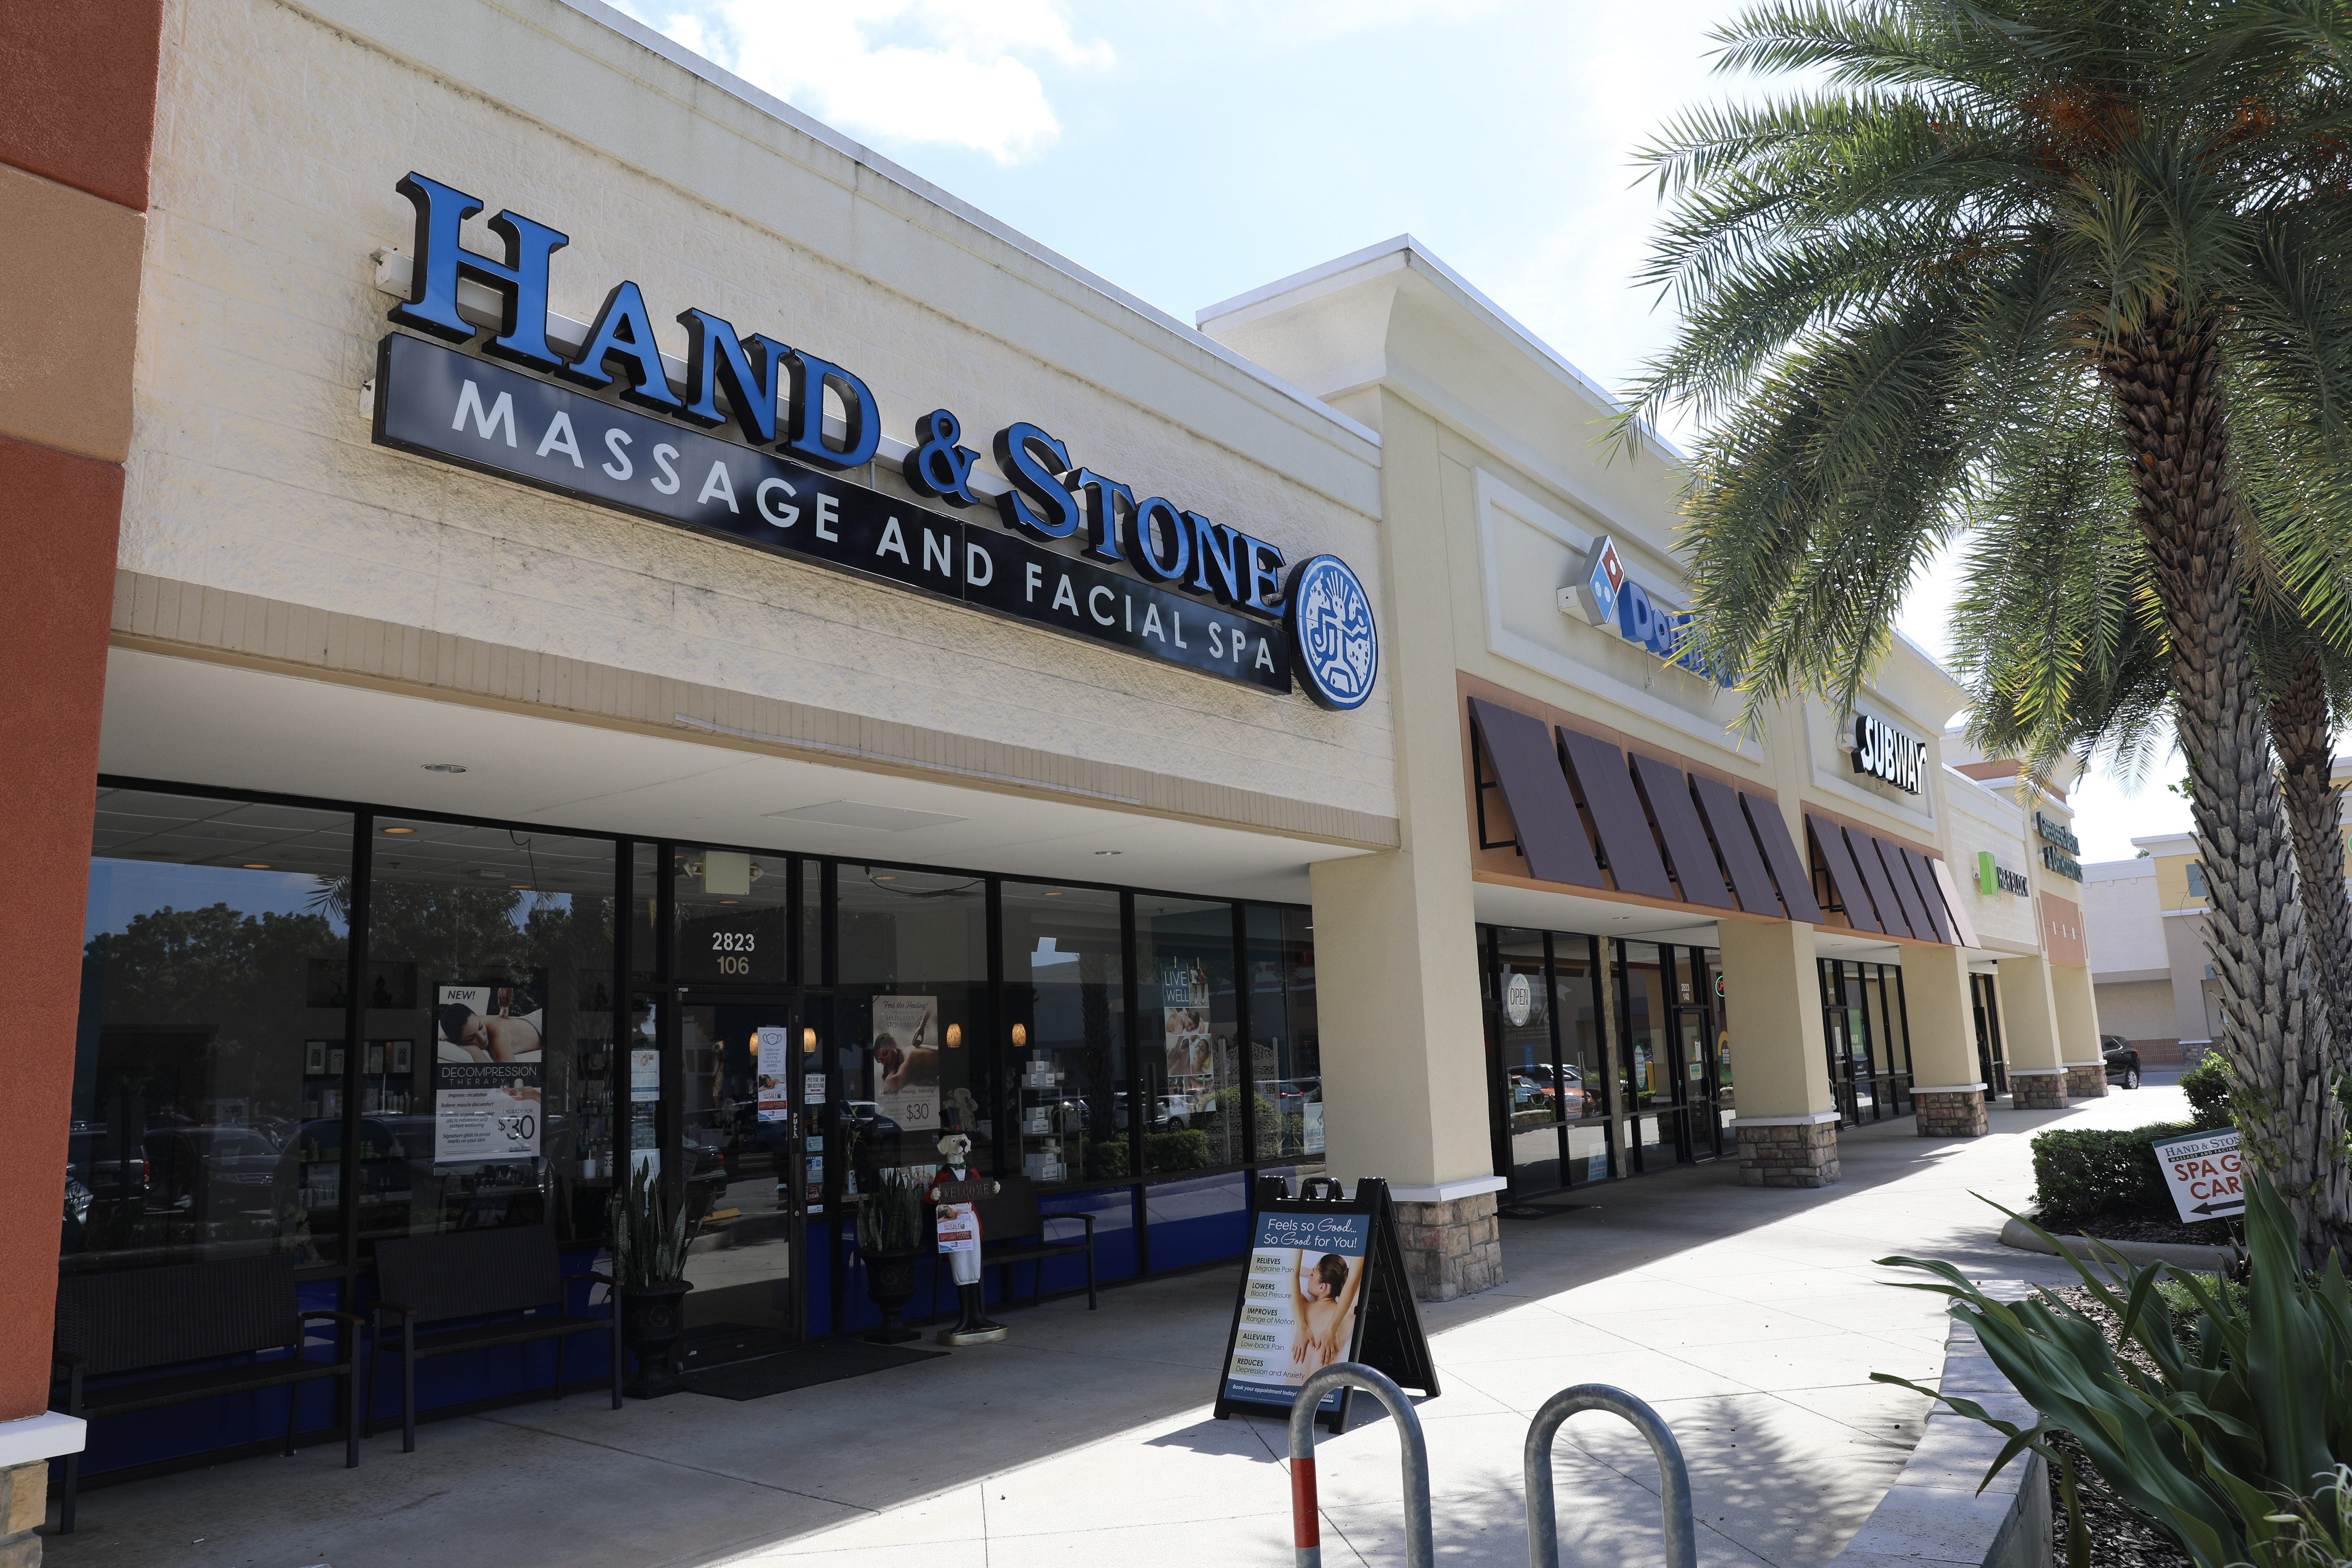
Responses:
[1189,1081]
[1576,997]
[1286,1055]
[735,917]
[215,978]
[1064,1033]
[912,1023]
[486,1092]
[644,916]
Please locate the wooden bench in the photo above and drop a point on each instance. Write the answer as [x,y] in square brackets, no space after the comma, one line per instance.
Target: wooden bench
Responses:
[153,1319]
[1013,1230]
[474,1274]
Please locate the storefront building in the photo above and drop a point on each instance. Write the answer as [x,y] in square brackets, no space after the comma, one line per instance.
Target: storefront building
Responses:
[597,625]
[1686,942]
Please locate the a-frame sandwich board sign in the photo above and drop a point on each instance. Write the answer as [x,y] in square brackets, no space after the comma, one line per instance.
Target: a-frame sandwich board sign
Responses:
[1325,1282]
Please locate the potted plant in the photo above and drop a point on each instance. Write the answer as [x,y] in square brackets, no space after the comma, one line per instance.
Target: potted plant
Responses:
[650,1263]
[890,1239]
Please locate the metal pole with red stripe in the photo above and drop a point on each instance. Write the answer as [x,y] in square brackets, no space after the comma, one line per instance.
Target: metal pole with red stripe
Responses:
[1305,1512]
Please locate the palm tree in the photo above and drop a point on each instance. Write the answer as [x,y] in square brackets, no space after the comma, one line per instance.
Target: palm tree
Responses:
[2128,208]
[2059,631]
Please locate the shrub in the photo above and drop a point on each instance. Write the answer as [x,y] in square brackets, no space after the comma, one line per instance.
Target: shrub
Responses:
[1185,1151]
[2207,1085]
[2079,1173]
[2230,1443]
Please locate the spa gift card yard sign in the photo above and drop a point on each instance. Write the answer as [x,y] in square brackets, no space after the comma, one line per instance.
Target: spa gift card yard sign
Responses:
[2203,1175]
[1326,1283]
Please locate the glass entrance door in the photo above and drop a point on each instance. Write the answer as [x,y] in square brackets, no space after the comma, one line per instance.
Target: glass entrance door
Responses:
[1699,1073]
[746,1130]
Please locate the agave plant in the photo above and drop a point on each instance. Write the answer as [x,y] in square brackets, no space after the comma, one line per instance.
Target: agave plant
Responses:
[2233,1443]
[891,1218]
[648,1231]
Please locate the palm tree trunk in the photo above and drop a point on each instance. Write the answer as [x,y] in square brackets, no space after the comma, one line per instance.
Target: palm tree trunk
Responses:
[2300,731]
[2164,378]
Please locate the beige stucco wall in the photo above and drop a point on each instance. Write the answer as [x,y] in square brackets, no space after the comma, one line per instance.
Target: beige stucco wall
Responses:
[1979,819]
[282,133]
[2138,1010]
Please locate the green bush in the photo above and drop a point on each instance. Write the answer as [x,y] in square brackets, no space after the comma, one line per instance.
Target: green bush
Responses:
[1184,1151]
[2207,1085]
[2231,1443]
[1104,1160]
[2080,1172]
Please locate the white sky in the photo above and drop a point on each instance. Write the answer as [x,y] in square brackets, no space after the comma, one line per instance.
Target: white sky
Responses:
[1190,152]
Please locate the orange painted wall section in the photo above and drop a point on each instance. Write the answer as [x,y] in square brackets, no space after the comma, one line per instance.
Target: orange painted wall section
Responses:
[80,92]
[2062,931]
[58,518]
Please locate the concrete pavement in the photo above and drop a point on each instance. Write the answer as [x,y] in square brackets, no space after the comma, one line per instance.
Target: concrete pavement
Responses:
[1751,1317]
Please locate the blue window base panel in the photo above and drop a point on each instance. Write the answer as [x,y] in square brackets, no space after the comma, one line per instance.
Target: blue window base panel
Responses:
[1198,1221]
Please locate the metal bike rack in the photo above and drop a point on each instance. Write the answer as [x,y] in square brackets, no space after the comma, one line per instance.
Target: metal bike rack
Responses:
[1543,1524]
[1306,1517]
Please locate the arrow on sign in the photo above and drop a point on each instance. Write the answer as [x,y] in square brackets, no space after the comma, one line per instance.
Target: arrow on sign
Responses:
[2218,1208]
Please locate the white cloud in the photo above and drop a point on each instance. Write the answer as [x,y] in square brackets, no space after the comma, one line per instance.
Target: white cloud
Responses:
[951,73]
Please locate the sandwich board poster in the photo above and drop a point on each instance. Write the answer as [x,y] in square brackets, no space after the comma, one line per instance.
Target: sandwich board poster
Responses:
[1301,1303]
[487,1082]
[1325,1282]
[775,1066]
[907,1061]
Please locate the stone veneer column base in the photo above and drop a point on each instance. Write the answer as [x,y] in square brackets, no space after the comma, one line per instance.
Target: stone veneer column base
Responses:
[1950,1112]
[23,1503]
[1788,1154]
[1452,1249]
[2037,1090]
[2087,1080]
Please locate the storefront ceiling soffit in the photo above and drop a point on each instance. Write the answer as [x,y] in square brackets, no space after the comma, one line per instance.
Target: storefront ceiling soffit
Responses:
[186,721]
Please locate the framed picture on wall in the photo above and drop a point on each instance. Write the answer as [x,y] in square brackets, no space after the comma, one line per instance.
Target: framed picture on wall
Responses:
[314,1056]
[374,1058]
[400,1059]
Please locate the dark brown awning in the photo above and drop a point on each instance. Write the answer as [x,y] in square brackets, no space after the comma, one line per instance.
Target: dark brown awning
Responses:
[1526,765]
[1735,841]
[1961,925]
[1931,899]
[1617,818]
[1670,806]
[1771,832]
[1892,914]
[1845,876]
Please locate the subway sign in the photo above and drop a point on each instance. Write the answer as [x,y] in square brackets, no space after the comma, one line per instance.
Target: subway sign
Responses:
[1885,752]
[742,451]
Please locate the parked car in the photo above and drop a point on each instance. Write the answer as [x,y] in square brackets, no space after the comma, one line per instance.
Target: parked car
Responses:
[2123,1062]
[212,1169]
[92,1160]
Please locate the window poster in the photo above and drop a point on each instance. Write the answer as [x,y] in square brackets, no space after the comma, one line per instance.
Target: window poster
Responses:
[775,1066]
[907,1061]
[1300,1303]
[487,1071]
[1184,1015]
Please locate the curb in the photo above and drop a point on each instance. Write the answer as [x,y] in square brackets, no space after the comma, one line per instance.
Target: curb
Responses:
[2179,1254]
[1935,1512]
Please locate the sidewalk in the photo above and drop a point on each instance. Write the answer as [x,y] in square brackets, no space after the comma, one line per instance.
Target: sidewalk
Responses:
[1750,1317]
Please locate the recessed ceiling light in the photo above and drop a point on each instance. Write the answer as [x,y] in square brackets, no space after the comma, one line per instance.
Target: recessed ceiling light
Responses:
[726,900]
[400,830]
[519,886]
[256,866]
[886,879]
[444,767]
[1053,892]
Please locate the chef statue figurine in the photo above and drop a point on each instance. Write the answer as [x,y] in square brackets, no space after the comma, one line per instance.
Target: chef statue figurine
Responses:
[957,1192]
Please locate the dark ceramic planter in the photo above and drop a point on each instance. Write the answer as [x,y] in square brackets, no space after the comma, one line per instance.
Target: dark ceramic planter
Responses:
[653,1325]
[890,1284]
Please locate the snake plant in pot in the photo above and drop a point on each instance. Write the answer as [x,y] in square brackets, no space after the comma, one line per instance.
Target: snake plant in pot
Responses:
[890,1240]
[649,1261]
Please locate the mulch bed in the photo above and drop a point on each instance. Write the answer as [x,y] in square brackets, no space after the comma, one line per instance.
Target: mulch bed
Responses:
[2119,1538]
[2114,1226]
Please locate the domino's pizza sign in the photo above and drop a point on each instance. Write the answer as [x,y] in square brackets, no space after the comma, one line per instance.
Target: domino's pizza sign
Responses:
[1614,603]
[1337,648]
